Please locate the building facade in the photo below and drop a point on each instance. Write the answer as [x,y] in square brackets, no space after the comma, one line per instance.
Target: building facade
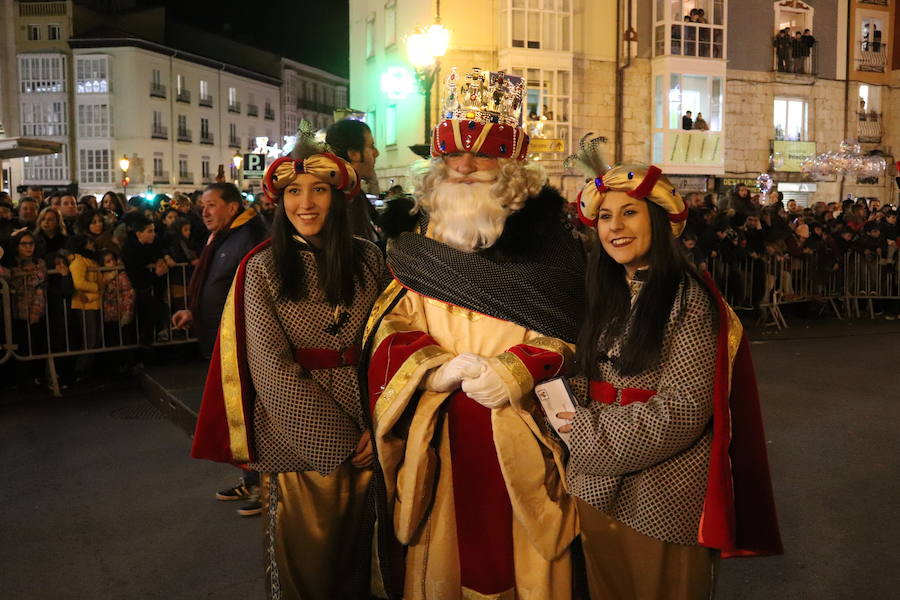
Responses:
[309,94]
[175,101]
[630,72]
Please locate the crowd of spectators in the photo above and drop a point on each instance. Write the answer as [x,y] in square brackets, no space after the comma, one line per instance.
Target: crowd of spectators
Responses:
[88,272]
[740,233]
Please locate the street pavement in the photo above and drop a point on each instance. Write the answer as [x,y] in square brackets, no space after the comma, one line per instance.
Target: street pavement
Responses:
[103,502]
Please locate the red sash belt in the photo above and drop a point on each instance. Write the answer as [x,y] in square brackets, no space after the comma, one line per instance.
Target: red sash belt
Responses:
[323,358]
[605,393]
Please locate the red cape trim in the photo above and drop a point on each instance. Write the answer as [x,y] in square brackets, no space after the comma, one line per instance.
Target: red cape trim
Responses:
[212,438]
[739,515]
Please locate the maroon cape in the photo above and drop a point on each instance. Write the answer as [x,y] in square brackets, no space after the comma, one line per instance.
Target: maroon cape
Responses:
[224,430]
[739,515]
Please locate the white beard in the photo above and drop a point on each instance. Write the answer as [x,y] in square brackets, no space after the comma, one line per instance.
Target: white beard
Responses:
[465,216]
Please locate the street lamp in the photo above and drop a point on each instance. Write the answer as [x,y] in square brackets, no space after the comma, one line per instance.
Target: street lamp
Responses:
[424,48]
[236,160]
[124,163]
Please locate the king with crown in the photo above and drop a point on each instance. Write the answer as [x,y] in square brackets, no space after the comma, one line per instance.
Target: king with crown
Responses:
[485,302]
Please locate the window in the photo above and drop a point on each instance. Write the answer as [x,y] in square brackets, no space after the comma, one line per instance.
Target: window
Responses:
[232,96]
[370,36]
[700,94]
[548,102]
[390,23]
[182,122]
[44,73]
[543,25]
[790,119]
[232,130]
[157,167]
[179,83]
[52,167]
[390,125]
[53,32]
[94,166]
[204,128]
[44,119]
[182,166]
[204,88]
[156,77]
[371,122]
[34,33]
[157,119]
[93,121]
[91,75]
[204,169]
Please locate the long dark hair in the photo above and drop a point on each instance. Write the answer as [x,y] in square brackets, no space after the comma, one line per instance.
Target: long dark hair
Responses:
[339,260]
[609,309]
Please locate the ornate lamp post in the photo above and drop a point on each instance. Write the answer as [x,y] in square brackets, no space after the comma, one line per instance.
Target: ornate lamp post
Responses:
[424,48]
[124,164]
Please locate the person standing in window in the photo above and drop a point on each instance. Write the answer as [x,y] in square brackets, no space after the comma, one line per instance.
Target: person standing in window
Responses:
[687,122]
[700,123]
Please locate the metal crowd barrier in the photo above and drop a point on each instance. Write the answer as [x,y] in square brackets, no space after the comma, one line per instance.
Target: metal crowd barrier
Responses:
[765,284]
[868,278]
[62,331]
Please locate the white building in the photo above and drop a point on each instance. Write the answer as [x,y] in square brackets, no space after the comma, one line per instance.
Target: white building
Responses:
[310,94]
[176,116]
[71,74]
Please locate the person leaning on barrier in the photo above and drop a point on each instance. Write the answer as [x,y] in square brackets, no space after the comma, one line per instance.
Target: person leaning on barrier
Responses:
[27,276]
[86,301]
[146,268]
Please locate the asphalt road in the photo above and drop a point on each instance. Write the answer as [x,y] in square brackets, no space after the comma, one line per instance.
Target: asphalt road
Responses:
[103,502]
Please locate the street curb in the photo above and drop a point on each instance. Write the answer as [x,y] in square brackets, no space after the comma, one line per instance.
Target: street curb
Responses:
[173,409]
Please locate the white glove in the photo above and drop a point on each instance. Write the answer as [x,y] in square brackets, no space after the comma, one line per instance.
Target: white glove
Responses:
[449,375]
[487,389]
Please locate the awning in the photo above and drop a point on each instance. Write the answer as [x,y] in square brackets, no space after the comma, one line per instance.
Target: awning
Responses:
[19,147]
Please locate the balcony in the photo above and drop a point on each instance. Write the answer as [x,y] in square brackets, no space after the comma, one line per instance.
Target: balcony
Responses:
[234,141]
[206,101]
[694,40]
[157,90]
[269,114]
[802,60]
[159,132]
[869,127]
[183,96]
[186,178]
[872,56]
[161,177]
[184,135]
[234,107]
[206,138]
[304,104]
[689,152]
[252,110]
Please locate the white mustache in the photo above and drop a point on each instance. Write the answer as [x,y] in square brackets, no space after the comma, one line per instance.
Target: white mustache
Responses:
[474,177]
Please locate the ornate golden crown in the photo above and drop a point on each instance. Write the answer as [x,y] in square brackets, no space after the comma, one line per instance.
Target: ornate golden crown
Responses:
[484,97]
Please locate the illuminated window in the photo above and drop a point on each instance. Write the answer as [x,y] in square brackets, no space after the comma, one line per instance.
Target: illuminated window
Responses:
[91,75]
[94,166]
[545,25]
[790,119]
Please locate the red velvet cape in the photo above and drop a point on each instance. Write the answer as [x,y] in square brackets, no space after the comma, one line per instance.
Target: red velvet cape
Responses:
[218,423]
[739,515]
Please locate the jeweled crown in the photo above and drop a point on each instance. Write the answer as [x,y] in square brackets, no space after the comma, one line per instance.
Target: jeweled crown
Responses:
[484,97]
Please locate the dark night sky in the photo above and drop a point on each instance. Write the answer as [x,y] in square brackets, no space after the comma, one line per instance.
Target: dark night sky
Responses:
[314,33]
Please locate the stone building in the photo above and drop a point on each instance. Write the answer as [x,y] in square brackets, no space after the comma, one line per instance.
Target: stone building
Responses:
[630,71]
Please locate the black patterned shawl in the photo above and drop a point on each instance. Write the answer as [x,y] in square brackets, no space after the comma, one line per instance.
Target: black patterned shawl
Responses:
[532,276]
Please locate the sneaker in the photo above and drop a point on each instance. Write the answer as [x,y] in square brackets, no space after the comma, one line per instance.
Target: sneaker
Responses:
[251,509]
[238,492]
